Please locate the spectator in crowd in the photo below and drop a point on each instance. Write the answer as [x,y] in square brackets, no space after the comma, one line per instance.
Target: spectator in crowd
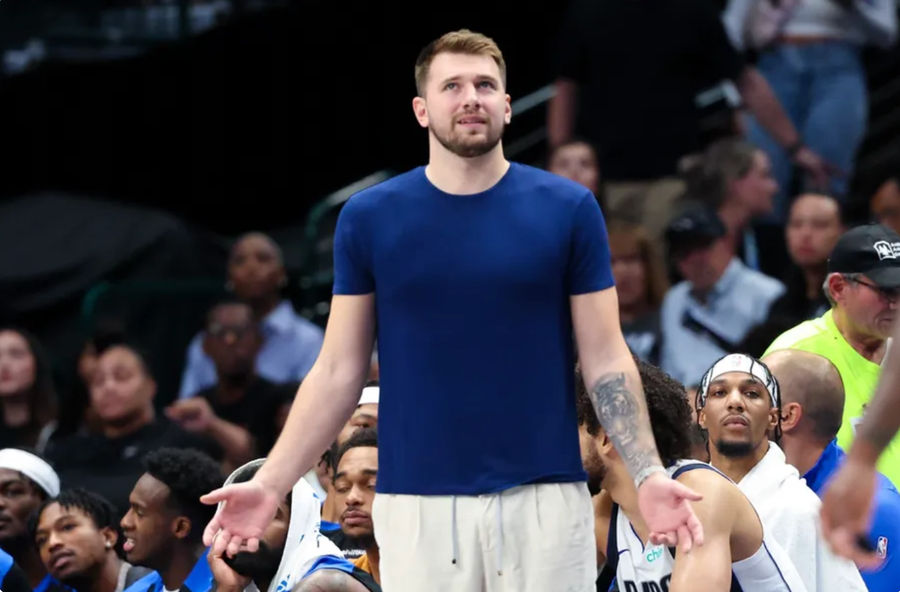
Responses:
[26,481]
[885,204]
[736,547]
[810,53]
[734,178]
[862,285]
[814,226]
[812,403]
[739,405]
[256,276]
[456,323]
[12,578]
[847,502]
[718,303]
[641,285]
[163,527]
[576,160]
[77,536]
[27,397]
[290,551]
[76,414]
[628,75]
[365,416]
[356,470]
[241,410]
[122,395]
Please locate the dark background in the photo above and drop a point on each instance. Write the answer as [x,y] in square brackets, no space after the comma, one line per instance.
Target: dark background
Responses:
[123,180]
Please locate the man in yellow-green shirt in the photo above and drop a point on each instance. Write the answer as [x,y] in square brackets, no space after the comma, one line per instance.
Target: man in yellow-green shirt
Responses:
[863,286]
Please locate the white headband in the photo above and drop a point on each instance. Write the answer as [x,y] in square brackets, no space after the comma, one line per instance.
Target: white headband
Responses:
[370,394]
[739,363]
[33,467]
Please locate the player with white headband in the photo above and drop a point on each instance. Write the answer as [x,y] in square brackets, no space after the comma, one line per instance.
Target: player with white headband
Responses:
[739,405]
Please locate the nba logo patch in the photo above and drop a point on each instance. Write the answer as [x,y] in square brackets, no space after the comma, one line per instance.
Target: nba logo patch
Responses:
[881,547]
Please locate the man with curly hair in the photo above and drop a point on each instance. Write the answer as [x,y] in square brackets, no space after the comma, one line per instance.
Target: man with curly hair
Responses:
[737,549]
[78,538]
[164,524]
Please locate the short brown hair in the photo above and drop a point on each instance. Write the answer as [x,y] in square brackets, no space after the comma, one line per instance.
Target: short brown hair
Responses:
[463,41]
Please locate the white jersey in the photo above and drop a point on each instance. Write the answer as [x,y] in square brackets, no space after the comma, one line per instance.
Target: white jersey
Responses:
[640,568]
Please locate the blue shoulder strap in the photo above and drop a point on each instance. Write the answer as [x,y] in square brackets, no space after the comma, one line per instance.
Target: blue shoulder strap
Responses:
[608,574]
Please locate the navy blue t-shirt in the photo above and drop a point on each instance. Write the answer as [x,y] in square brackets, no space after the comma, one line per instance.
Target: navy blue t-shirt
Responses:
[474,327]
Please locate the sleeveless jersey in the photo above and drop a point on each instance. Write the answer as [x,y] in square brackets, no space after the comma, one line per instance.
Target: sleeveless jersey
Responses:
[640,568]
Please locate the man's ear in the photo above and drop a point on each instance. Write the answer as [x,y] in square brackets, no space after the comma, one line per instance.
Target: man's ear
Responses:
[791,415]
[420,109]
[110,536]
[181,527]
[606,447]
[701,418]
[773,419]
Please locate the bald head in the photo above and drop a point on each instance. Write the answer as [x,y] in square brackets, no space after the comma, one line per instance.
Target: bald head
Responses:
[815,384]
[329,580]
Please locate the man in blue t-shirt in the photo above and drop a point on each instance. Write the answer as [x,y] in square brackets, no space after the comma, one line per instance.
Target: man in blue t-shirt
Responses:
[812,397]
[473,271]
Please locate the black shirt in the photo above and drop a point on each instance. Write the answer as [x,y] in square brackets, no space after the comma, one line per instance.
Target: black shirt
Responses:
[640,65]
[256,411]
[111,467]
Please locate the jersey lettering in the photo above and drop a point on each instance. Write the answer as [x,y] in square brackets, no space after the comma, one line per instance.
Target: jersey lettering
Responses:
[662,586]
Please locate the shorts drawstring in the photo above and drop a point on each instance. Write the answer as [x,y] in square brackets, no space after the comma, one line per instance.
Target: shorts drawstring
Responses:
[500,534]
[454,542]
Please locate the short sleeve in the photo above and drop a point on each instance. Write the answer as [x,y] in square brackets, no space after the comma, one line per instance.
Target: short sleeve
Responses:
[352,268]
[570,60]
[590,269]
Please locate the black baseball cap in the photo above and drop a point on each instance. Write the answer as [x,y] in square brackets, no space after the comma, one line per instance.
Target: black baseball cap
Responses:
[695,228]
[872,249]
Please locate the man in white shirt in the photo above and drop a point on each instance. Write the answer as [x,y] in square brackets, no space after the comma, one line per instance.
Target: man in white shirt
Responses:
[739,404]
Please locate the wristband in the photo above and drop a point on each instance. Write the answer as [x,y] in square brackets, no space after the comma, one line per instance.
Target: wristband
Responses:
[644,473]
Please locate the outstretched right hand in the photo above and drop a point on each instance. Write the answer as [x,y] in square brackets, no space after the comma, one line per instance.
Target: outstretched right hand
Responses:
[248,509]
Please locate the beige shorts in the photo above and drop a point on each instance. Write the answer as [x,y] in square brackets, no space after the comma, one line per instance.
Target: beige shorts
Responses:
[532,538]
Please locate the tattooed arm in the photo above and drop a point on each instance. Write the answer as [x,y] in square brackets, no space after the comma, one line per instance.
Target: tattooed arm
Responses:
[612,379]
[614,384]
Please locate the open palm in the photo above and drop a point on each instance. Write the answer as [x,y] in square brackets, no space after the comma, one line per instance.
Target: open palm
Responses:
[241,520]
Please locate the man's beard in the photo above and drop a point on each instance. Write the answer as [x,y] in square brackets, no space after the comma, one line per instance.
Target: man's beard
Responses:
[260,565]
[363,542]
[454,144]
[596,472]
[734,449]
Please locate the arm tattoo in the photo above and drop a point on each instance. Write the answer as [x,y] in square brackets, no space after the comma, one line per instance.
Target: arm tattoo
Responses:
[619,411]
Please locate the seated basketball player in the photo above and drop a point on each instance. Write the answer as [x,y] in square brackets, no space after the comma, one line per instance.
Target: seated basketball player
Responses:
[736,553]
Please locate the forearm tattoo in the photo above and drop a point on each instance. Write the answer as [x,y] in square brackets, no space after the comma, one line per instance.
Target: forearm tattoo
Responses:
[620,414]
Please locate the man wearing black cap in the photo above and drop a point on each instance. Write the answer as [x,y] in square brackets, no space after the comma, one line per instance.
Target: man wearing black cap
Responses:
[708,314]
[862,285]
